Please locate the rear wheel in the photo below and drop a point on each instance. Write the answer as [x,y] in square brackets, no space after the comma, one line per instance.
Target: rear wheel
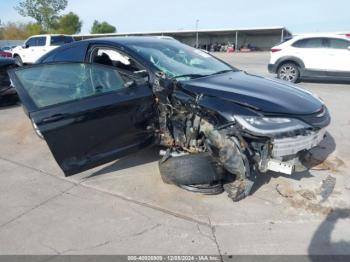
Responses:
[289,72]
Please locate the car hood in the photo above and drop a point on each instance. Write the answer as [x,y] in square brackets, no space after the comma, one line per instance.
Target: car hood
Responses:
[266,95]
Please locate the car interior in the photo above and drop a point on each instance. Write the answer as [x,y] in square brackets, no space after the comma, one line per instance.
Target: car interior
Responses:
[124,65]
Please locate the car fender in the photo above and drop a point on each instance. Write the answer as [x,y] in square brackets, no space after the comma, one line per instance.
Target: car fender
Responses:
[292,59]
[223,111]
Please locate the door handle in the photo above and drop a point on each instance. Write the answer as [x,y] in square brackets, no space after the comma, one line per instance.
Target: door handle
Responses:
[53,118]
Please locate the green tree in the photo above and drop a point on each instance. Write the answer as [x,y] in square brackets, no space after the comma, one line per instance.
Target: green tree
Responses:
[102,28]
[45,12]
[34,29]
[68,24]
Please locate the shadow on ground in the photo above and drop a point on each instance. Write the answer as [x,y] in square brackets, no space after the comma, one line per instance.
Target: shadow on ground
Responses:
[321,243]
[142,157]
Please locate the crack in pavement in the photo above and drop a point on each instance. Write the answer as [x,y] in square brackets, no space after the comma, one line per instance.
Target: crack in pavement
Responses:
[139,203]
[88,247]
[81,183]
[146,230]
[213,231]
[205,235]
[42,172]
[104,243]
[35,207]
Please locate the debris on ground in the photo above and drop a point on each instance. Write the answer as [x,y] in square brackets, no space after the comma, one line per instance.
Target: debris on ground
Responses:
[332,163]
[327,188]
[311,200]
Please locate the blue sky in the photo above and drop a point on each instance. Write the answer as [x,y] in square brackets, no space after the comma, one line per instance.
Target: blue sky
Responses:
[156,15]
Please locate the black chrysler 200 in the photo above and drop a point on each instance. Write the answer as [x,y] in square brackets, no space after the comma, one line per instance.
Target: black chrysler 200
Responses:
[97,100]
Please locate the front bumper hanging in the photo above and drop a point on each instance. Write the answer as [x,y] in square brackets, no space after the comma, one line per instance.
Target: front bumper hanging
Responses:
[289,148]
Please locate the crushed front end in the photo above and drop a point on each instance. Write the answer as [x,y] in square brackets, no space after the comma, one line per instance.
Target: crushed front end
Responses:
[287,138]
[241,140]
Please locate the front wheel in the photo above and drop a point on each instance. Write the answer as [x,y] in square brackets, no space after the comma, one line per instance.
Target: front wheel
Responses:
[19,60]
[289,72]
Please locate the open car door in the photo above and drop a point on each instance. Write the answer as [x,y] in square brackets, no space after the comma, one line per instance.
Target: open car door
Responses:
[87,113]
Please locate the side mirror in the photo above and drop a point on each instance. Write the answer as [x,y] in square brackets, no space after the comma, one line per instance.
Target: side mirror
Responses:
[25,46]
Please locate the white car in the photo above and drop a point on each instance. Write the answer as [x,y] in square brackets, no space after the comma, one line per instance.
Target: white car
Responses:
[37,46]
[312,56]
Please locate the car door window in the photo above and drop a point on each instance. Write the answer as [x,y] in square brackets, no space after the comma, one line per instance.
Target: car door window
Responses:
[334,43]
[118,60]
[61,40]
[310,43]
[40,41]
[31,42]
[59,83]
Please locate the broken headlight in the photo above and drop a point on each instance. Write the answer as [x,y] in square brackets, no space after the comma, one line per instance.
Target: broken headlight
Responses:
[270,125]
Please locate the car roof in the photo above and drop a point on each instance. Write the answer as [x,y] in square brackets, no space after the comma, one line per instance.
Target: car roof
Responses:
[122,41]
[127,40]
[329,35]
[48,35]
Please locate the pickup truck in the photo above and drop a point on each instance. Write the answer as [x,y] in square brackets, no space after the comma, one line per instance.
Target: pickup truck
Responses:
[37,46]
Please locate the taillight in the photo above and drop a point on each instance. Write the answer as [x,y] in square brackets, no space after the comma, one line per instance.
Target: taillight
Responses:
[347,35]
[274,50]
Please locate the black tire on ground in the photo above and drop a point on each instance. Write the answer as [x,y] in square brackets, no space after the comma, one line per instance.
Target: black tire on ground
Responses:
[19,60]
[289,72]
[189,170]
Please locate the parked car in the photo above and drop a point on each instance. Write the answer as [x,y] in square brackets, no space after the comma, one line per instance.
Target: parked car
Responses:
[312,57]
[7,48]
[5,53]
[97,100]
[8,95]
[37,46]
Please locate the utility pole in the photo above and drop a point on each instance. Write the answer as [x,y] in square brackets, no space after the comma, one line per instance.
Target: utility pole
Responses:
[197,36]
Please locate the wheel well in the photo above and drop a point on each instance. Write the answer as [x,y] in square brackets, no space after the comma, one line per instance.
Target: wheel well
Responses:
[288,62]
[15,55]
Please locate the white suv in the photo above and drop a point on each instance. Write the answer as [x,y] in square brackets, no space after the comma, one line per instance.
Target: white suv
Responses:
[312,56]
[37,46]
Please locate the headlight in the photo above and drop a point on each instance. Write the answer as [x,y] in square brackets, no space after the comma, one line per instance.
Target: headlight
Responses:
[270,125]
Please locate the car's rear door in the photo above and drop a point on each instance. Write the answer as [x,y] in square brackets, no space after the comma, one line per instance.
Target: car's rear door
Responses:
[313,52]
[85,112]
[339,57]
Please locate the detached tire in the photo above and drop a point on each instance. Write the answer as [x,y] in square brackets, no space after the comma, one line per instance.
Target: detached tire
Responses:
[190,170]
[289,72]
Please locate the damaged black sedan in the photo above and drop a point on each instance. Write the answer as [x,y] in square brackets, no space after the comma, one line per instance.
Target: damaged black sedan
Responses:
[98,100]
[8,95]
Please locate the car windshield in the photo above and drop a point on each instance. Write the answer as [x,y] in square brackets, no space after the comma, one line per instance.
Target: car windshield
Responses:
[180,61]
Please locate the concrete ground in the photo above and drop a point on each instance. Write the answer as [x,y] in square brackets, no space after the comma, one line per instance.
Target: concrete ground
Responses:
[124,207]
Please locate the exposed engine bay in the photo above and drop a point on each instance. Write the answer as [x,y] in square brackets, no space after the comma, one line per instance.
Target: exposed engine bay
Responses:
[204,155]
